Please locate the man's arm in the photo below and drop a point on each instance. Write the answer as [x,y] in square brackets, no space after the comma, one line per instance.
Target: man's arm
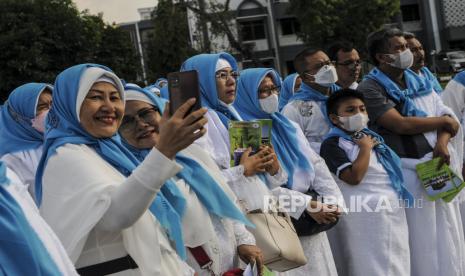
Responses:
[395,122]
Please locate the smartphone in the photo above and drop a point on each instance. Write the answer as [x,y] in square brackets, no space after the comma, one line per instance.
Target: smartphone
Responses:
[182,86]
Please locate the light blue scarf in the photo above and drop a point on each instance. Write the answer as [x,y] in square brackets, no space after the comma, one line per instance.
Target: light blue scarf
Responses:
[16,131]
[205,64]
[284,137]
[416,87]
[287,90]
[460,78]
[306,93]
[387,157]
[208,191]
[169,205]
[21,250]
[432,79]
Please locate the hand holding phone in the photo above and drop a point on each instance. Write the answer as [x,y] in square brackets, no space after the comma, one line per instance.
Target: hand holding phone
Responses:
[183,86]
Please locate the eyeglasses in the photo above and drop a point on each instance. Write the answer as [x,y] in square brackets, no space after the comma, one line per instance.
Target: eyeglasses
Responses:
[270,90]
[351,64]
[225,75]
[147,115]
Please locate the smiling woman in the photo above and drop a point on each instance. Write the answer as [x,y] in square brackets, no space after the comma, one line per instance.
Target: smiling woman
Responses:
[104,192]
[102,109]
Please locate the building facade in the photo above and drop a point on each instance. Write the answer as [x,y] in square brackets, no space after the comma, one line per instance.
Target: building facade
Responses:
[270,32]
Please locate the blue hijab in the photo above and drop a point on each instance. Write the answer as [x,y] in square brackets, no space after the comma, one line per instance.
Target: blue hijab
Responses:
[169,205]
[63,124]
[16,132]
[387,157]
[416,87]
[158,81]
[432,79]
[21,250]
[284,137]
[208,191]
[287,90]
[205,64]
[460,78]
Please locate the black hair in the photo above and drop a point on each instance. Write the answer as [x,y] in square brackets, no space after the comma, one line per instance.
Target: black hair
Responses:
[339,96]
[334,48]
[299,59]
[409,35]
[378,42]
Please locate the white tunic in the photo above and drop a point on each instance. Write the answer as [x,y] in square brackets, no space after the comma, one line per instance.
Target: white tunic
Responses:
[219,237]
[316,247]
[24,164]
[50,241]
[436,234]
[377,234]
[454,97]
[310,118]
[77,188]
[251,192]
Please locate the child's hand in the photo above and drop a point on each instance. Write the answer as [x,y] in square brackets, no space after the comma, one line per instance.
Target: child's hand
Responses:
[366,141]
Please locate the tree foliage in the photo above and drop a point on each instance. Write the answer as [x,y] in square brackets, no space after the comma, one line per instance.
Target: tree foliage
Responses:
[323,21]
[40,38]
[169,45]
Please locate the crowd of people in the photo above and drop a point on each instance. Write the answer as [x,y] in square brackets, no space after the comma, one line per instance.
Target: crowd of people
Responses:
[99,177]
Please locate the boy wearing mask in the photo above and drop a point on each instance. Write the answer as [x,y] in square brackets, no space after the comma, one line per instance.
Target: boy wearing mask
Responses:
[366,170]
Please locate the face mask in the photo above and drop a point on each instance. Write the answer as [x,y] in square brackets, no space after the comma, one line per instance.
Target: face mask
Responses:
[326,76]
[355,122]
[269,104]
[38,123]
[402,60]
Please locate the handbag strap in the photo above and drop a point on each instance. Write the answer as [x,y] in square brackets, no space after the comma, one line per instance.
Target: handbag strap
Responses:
[202,258]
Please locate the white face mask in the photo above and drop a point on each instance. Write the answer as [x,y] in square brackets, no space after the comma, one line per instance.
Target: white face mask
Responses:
[38,123]
[355,122]
[402,60]
[326,76]
[269,104]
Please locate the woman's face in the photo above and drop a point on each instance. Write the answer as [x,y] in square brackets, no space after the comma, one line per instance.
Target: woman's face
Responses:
[226,85]
[45,101]
[140,126]
[102,110]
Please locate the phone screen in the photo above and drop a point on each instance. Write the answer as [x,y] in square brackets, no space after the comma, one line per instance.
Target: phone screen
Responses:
[182,86]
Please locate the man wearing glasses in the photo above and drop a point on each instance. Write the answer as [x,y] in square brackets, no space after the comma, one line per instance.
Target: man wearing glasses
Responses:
[347,62]
[307,107]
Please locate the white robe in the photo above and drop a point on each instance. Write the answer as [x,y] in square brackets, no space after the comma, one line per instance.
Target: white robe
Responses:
[24,164]
[219,237]
[454,97]
[50,241]
[77,187]
[251,191]
[379,237]
[436,234]
[316,247]
[309,116]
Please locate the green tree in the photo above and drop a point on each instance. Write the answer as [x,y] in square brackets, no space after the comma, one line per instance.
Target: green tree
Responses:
[323,21]
[169,45]
[40,38]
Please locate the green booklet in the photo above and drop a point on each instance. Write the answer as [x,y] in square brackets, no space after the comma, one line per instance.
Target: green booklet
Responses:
[439,183]
[242,135]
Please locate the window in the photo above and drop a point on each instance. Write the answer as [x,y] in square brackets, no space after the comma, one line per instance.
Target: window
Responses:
[410,12]
[289,26]
[252,30]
